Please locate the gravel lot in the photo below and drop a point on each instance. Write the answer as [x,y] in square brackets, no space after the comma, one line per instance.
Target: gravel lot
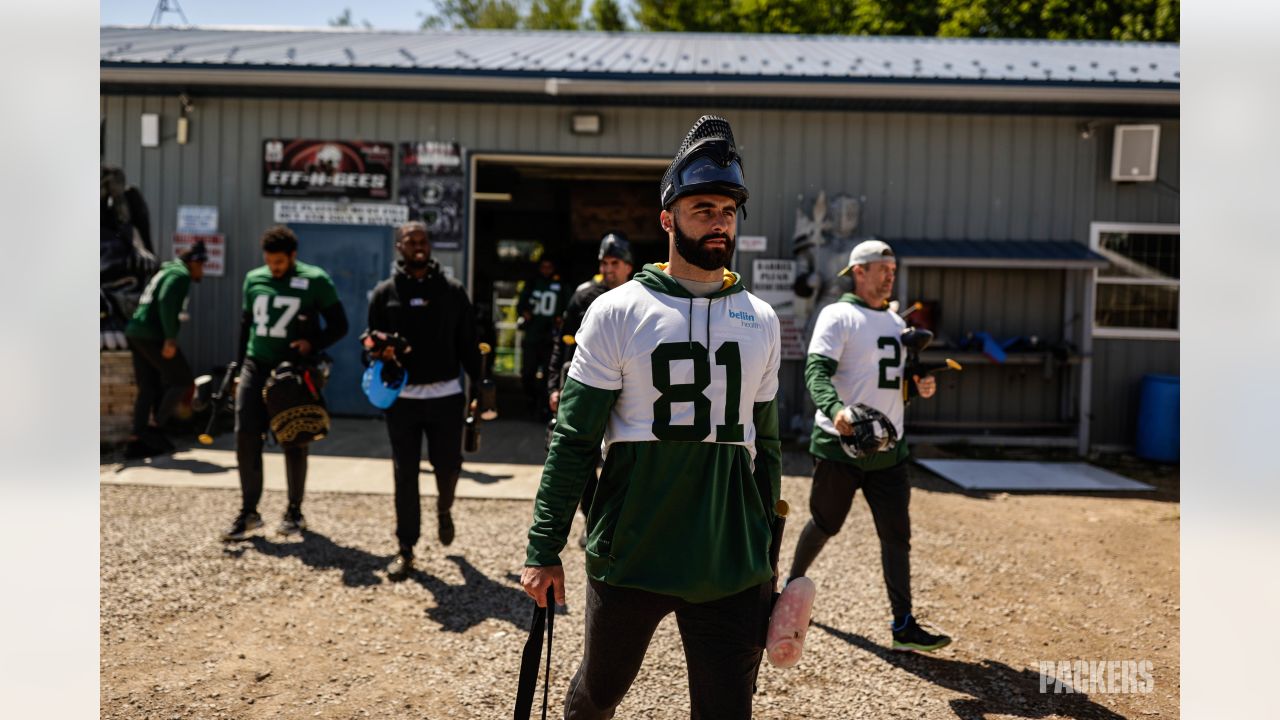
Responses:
[269,628]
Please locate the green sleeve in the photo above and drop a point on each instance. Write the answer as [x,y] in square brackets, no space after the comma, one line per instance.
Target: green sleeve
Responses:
[575,445]
[818,370]
[768,448]
[169,304]
[244,292]
[326,293]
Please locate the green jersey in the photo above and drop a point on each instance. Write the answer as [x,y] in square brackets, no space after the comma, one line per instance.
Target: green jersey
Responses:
[283,309]
[161,304]
[544,299]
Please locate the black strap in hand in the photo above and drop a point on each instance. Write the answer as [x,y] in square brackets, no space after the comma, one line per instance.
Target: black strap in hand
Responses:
[532,654]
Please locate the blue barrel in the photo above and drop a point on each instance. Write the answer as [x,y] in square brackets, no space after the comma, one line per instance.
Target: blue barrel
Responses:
[1158,418]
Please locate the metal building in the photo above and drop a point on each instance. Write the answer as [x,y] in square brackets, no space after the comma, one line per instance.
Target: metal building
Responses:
[1030,187]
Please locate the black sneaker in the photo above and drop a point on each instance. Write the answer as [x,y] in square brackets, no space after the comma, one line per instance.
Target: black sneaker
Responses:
[292,523]
[400,568]
[444,526]
[243,527]
[910,636]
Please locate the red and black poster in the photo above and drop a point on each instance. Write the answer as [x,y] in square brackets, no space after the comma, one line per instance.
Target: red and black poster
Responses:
[326,168]
[432,186]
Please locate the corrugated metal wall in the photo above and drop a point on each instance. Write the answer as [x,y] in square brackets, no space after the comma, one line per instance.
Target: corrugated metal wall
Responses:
[943,176]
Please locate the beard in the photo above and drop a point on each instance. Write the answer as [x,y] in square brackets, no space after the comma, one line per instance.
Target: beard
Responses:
[696,252]
[413,262]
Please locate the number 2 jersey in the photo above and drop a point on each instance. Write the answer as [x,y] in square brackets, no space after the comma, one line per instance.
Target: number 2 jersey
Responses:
[286,309]
[856,356]
[681,390]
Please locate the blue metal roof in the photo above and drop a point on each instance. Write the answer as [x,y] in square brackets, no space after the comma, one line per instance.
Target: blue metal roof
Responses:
[995,253]
[650,56]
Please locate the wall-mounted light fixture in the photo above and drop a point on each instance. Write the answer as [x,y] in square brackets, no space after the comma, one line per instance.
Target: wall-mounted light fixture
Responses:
[185,108]
[586,124]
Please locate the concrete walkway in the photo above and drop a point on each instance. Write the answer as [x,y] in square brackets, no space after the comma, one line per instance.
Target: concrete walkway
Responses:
[355,458]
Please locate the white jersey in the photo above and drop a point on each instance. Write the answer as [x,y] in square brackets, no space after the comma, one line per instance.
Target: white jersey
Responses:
[677,386]
[867,347]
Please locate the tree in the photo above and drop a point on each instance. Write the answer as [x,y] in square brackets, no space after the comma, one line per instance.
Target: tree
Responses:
[554,15]
[1150,20]
[1153,20]
[606,15]
[345,20]
[483,14]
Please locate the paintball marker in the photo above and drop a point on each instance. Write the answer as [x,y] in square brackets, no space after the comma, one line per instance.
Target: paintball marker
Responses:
[219,400]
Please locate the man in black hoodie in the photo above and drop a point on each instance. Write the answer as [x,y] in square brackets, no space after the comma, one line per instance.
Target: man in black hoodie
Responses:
[434,316]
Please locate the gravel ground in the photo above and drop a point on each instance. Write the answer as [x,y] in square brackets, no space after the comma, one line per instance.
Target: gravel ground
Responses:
[270,628]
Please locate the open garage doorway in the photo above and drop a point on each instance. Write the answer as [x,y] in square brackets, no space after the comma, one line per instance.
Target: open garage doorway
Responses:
[527,208]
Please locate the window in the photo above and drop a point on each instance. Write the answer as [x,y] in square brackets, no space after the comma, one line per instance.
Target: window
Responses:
[1136,295]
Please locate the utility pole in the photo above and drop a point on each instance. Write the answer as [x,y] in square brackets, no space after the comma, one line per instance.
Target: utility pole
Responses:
[164,6]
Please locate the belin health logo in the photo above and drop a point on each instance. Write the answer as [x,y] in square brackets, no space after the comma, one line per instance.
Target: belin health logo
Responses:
[747,319]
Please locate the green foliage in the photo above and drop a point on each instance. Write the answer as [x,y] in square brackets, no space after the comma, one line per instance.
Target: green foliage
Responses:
[480,14]
[1152,20]
[554,15]
[606,15]
[345,20]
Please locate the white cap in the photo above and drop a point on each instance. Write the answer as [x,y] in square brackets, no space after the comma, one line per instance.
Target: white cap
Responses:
[868,251]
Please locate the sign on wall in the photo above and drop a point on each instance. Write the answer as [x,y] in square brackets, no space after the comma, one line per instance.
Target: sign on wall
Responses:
[334,213]
[753,243]
[326,168]
[197,219]
[773,281]
[431,187]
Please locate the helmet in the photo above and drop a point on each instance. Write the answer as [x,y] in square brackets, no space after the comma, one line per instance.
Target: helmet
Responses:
[873,432]
[615,245]
[294,404]
[707,163]
[382,383]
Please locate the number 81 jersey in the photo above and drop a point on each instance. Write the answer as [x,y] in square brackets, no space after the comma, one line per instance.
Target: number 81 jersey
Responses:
[689,369]
[282,308]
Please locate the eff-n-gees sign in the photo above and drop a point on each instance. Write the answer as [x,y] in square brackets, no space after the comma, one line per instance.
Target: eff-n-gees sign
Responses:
[326,168]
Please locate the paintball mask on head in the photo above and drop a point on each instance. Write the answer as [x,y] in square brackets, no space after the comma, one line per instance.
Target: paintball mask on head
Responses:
[615,245]
[706,163]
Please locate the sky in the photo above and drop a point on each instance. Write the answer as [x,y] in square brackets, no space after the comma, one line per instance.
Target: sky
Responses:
[382,14]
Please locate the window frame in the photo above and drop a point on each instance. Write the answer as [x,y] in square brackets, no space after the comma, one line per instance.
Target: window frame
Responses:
[1096,230]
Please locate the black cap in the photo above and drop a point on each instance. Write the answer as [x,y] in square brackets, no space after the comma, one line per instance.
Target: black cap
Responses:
[615,245]
[195,253]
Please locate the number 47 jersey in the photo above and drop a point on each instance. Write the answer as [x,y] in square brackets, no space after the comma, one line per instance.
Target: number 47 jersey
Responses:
[689,369]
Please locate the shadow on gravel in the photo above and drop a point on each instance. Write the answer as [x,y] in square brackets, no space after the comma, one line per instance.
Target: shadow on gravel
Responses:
[461,607]
[359,568]
[168,462]
[994,688]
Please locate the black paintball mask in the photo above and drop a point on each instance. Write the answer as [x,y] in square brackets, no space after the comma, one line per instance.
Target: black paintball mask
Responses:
[706,163]
[615,245]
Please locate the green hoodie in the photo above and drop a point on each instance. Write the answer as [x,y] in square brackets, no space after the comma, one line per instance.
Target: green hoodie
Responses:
[161,304]
[685,517]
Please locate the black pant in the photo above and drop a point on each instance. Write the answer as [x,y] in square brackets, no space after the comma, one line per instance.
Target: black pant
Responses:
[723,643]
[441,420]
[161,382]
[251,433]
[535,356]
[888,495]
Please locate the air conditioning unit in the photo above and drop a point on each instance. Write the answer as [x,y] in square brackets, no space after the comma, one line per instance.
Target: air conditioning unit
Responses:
[1135,153]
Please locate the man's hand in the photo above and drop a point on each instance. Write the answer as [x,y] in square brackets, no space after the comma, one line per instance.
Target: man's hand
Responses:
[554,400]
[926,386]
[844,422]
[302,346]
[388,353]
[535,580]
[169,350]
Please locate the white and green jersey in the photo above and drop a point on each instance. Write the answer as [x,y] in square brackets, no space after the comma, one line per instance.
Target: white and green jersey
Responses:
[866,344]
[689,369]
[680,392]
